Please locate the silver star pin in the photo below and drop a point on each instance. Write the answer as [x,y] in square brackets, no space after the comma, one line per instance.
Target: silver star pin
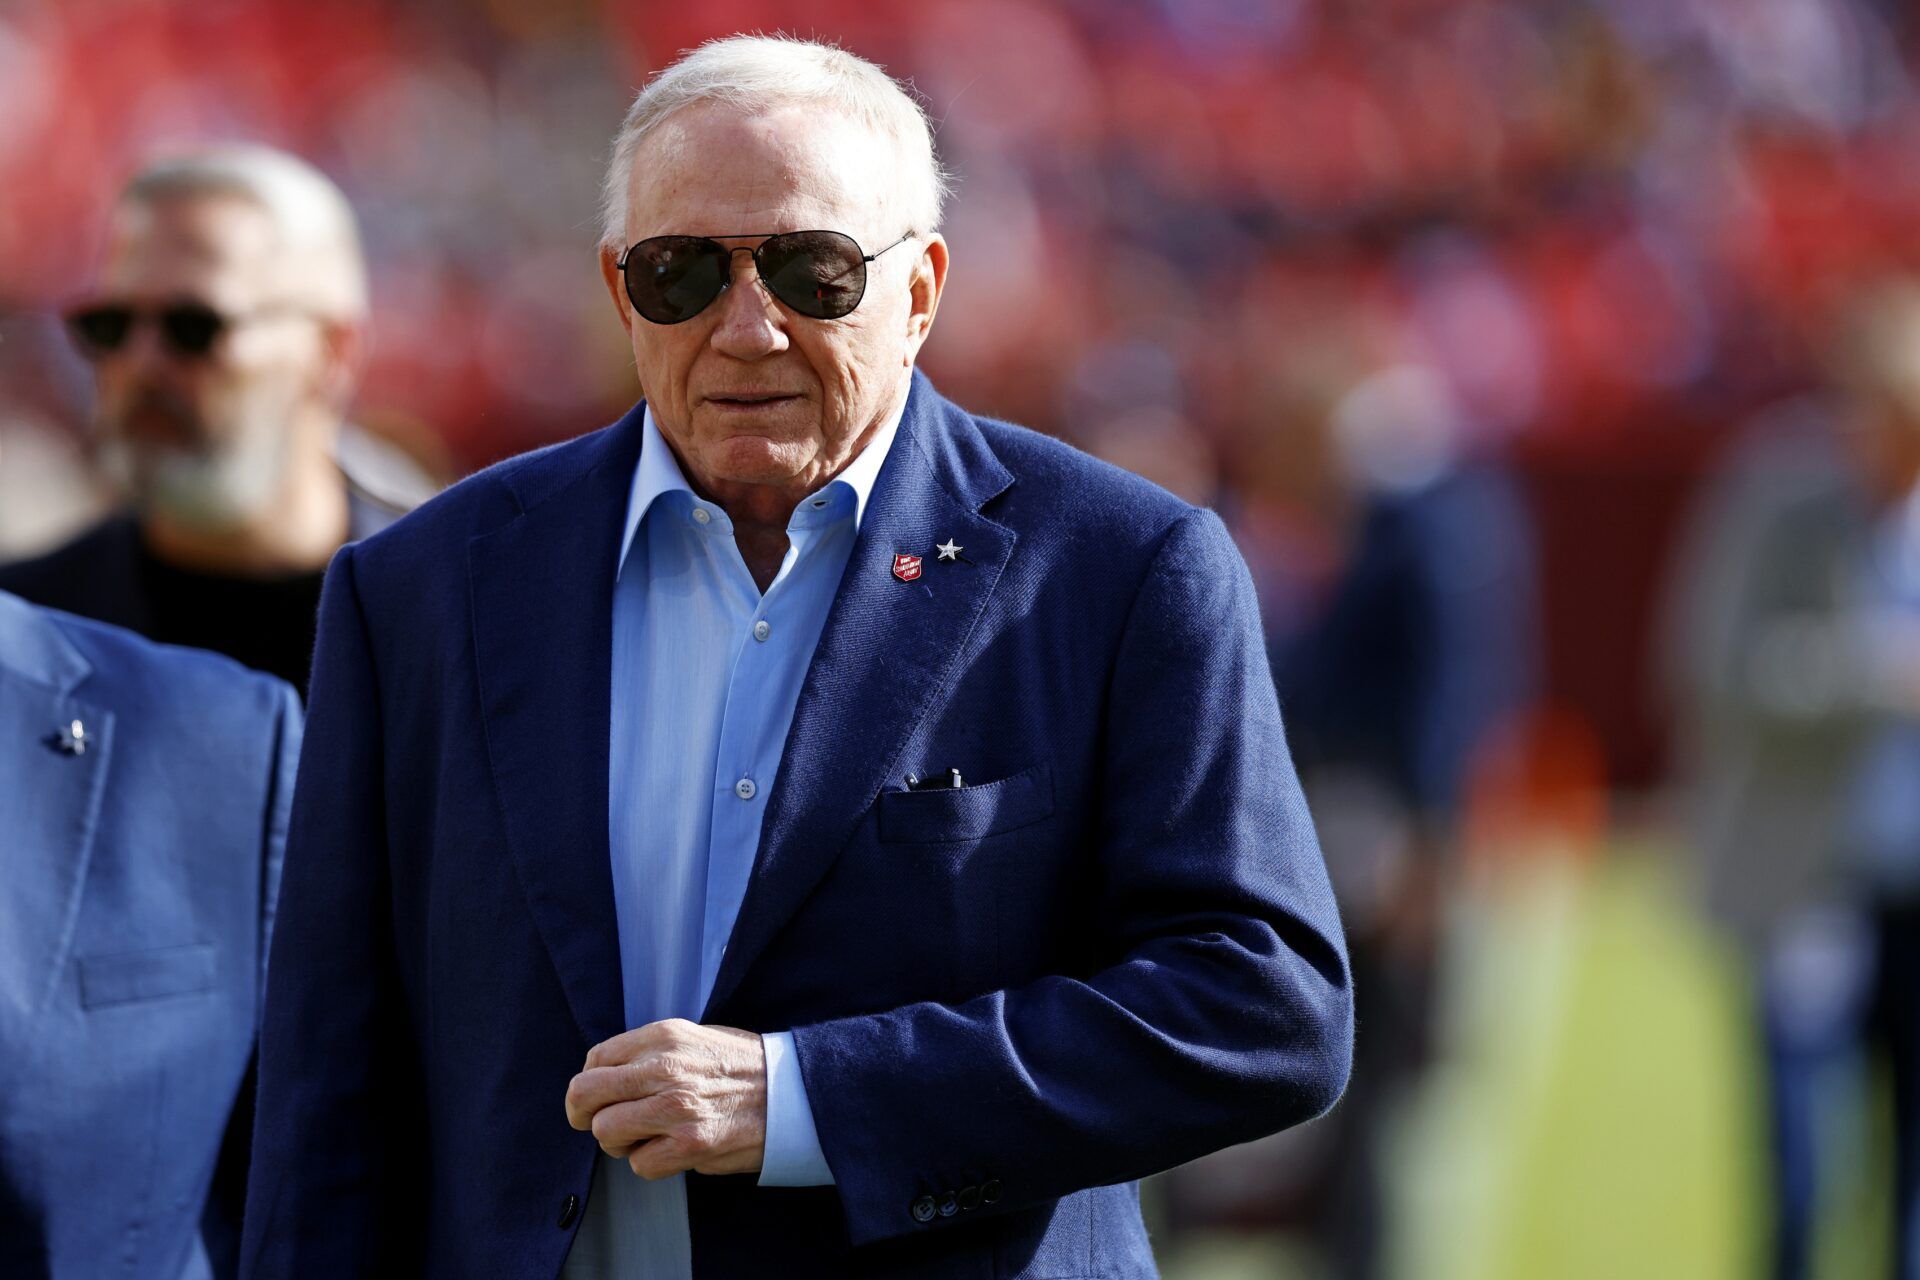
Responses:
[947,550]
[72,740]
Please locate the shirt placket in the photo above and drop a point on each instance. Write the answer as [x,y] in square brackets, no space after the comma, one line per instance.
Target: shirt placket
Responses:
[747,756]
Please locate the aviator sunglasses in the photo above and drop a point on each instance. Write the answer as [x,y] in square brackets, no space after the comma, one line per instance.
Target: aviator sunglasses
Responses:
[821,274]
[187,328]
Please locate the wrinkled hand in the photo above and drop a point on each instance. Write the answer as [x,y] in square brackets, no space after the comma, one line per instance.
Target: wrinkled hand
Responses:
[675,1096]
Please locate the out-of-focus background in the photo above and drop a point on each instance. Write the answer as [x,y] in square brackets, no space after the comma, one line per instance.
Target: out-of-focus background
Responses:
[1555,364]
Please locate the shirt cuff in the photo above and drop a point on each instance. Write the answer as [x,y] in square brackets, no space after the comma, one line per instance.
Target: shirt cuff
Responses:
[793,1157]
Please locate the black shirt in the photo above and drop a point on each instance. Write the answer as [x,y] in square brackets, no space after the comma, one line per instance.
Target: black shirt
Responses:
[263,623]
[109,574]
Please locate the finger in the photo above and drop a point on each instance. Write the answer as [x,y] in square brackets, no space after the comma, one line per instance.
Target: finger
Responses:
[618,1049]
[659,1158]
[625,1047]
[601,1087]
[624,1125]
[579,1109]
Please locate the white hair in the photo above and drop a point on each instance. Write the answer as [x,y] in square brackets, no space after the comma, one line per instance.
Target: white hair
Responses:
[316,226]
[758,72]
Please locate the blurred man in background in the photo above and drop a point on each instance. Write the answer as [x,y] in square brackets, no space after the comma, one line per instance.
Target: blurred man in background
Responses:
[1397,651]
[226,336]
[1796,649]
[1397,588]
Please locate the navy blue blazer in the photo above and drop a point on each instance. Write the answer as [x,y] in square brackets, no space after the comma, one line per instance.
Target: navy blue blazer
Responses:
[1112,951]
[136,889]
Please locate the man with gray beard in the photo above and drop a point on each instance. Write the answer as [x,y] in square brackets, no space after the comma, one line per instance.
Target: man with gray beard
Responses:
[226,338]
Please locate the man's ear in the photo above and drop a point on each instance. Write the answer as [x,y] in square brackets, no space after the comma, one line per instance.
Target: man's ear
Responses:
[928,281]
[616,285]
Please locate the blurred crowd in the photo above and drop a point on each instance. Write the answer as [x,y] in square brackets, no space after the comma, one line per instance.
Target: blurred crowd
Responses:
[1550,359]
[1586,238]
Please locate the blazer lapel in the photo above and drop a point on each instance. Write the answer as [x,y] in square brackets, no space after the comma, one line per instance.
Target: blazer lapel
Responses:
[886,653]
[52,803]
[543,629]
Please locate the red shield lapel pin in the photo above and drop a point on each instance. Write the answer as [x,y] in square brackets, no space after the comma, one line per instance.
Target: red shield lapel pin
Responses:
[906,567]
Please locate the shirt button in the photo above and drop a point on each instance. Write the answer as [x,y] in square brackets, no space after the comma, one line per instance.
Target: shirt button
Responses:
[762,629]
[701,515]
[744,788]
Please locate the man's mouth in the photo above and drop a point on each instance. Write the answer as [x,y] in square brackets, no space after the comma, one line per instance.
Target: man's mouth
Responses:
[162,421]
[751,399]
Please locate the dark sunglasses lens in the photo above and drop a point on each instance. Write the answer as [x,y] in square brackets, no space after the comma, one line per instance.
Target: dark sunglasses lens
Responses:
[675,278]
[101,329]
[817,273]
[191,330]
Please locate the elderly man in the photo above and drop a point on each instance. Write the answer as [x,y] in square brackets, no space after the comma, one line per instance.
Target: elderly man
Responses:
[868,825]
[143,805]
[225,338]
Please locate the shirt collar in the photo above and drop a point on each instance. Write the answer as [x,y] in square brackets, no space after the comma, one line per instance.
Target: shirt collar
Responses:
[658,473]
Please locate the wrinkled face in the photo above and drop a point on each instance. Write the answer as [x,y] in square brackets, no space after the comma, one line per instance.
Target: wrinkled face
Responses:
[749,392]
[203,436]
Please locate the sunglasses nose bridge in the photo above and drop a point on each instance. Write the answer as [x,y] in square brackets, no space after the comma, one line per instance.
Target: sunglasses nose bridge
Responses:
[736,271]
[748,323]
[144,344]
[744,272]
[748,270]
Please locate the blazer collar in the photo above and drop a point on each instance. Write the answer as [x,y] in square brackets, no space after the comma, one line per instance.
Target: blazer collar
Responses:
[32,646]
[52,805]
[542,589]
[958,457]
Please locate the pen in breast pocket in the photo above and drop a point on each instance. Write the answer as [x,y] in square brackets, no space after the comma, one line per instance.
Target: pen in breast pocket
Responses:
[945,780]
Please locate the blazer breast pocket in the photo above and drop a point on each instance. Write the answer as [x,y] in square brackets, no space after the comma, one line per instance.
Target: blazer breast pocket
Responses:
[136,976]
[967,813]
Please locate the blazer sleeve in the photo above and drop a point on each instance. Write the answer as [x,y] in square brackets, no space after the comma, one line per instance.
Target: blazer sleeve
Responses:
[337,1148]
[1222,1010]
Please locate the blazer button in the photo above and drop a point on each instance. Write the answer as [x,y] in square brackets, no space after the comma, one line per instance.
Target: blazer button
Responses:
[569,1210]
[969,1197]
[990,1191]
[949,1205]
[924,1209]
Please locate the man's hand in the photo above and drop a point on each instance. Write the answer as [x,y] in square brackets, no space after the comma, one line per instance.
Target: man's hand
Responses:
[673,1096]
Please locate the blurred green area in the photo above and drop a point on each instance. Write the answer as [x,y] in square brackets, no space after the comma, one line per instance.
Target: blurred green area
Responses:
[1594,1112]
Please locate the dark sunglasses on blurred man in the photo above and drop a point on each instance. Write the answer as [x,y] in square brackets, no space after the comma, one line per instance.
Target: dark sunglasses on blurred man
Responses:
[187,329]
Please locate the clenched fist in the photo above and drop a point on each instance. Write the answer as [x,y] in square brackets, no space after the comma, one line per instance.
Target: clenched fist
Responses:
[675,1096]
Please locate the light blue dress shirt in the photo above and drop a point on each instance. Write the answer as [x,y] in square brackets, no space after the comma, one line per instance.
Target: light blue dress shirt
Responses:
[706,673]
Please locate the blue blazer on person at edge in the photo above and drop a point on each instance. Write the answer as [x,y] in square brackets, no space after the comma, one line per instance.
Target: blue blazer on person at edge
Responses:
[138,858]
[1113,950]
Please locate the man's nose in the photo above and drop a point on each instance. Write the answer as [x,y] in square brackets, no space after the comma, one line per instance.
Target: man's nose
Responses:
[751,325]
[145,351]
